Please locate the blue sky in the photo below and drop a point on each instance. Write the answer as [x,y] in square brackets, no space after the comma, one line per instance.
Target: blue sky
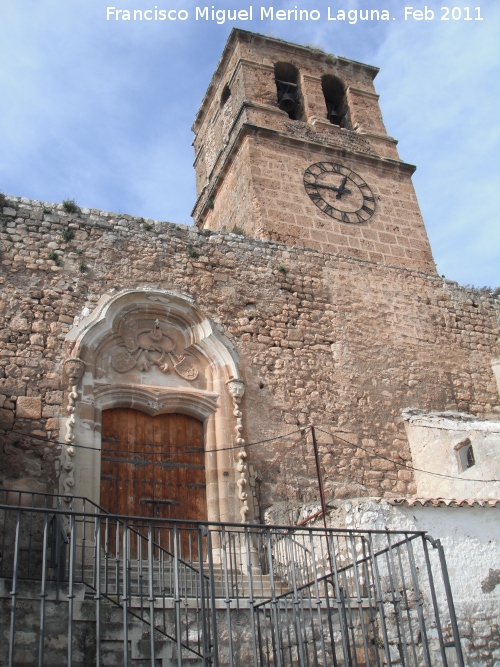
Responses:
[101,111]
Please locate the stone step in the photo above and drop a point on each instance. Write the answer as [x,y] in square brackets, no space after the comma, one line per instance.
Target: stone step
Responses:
[236,586]
[84,631]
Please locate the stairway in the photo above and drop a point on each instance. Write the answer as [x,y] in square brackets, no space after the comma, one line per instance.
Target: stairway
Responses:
[234,585]
[56,630]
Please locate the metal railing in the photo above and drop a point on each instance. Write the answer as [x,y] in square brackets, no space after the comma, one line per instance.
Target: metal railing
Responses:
[79,584]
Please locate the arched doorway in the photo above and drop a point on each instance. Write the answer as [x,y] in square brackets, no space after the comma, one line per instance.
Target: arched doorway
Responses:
[153,466]
[155,352]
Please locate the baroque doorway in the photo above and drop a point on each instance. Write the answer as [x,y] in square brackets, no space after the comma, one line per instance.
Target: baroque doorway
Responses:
[155,356]
[153,466]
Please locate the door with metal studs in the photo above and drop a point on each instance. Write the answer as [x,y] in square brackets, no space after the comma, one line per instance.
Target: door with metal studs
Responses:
[153,466]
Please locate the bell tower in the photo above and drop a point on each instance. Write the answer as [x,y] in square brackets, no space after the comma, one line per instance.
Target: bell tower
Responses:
[290,146]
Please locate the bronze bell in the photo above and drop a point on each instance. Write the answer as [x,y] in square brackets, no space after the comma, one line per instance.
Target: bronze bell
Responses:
[332,114]
[288,102]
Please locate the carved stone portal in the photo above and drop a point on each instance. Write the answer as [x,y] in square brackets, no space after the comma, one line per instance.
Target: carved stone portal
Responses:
[148,347]
[156,352]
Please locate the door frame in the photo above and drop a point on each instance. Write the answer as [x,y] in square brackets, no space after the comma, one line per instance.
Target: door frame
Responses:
[218,404]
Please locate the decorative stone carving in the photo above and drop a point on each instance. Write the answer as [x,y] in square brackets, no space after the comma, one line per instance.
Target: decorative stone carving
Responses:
[341,139]
[189,342]
[69,453]
[237,390]
[69,468]
[242,483]
[150,347]
[74,369]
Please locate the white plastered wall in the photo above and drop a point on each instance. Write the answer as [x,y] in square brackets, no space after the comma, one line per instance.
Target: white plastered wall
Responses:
[434,438]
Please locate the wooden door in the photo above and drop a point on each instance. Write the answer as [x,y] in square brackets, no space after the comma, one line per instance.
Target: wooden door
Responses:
[152,466]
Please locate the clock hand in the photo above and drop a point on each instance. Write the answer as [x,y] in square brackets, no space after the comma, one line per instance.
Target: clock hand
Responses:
[341,190]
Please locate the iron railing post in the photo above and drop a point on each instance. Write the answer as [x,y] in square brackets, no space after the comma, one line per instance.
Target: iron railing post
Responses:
[177,598]
[97,586]
[251,598]
[13,591]
[71,584]
[210,557]
[276,629]
[205,628]
[125,590]
[420,605]
[434,601]
[449,597]
[43,591]
[151,591]
[227,597]
[379,600]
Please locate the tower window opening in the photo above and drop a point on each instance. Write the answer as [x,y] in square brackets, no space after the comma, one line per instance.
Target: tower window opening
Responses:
[465,455]
[337,111]
[226,94]
[287,87]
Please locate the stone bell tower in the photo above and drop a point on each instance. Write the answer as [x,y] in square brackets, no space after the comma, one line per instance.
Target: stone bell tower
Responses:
[290,146]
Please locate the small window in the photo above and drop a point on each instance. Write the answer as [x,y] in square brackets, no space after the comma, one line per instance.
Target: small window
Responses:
[336,105]
[465,455]
[287,86]
[226,94]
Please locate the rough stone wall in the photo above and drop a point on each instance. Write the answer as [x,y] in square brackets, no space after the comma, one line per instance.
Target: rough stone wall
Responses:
[235,207]
[343,343]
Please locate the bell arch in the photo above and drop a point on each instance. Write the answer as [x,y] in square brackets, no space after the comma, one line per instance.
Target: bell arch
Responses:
[286,77]
[337,110]
[156,352]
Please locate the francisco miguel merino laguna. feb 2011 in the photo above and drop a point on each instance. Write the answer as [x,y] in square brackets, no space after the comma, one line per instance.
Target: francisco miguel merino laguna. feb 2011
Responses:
[220,16]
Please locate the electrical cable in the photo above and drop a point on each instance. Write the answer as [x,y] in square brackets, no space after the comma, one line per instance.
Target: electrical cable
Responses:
[403,465]
[260,442]
[156,452]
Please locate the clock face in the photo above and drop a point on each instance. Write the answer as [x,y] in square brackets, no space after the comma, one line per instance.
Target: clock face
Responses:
[339,192]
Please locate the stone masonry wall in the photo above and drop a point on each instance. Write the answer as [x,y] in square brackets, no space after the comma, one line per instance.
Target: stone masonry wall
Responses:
[343,343]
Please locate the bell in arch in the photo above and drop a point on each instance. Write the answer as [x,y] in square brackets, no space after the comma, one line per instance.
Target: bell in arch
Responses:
[333,114]
[288,102]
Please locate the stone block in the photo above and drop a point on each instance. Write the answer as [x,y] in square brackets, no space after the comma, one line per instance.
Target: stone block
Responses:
[39,326]
[295,334]
[20,324]
[482,629]
[6,419]
[54,397]
[29,407]
[12,387]
[52,424]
